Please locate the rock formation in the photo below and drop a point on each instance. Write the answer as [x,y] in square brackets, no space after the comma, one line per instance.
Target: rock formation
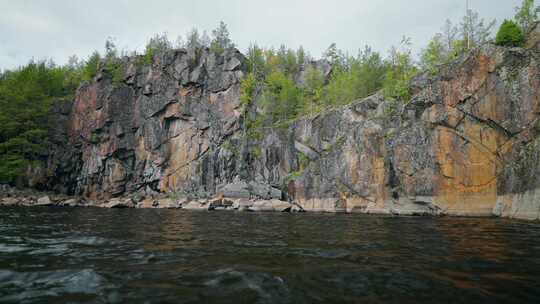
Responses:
[467,143]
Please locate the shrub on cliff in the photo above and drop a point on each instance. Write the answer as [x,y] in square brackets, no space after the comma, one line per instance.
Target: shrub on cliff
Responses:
[509,34]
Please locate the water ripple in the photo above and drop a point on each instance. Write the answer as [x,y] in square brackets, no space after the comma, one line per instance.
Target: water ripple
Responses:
[169,256]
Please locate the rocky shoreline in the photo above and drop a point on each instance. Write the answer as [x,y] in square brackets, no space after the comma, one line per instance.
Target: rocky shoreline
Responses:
[29,198]
[216,204]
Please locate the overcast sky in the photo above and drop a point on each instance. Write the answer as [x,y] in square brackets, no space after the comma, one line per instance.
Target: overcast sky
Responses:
[59,28]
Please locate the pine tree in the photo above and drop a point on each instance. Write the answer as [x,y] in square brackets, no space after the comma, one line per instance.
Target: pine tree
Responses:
[220,39]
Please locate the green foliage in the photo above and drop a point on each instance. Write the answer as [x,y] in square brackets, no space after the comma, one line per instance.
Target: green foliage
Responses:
[90,68]
[401,71]
[335,56]
[303,161]
[110,49]
[194,40]
[227,145]
[313,89]
[156,44]
[282,99]
[257,152]
[475,31]
[254,127]
[433,55]
[26,95]
[220,39]
[256,61]
[247,90]
[527,15]
[455,40]
[292,177]
[115,68]
[509,34]
[356,78]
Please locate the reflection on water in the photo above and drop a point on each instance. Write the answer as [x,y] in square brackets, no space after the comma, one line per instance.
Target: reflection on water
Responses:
[145,256]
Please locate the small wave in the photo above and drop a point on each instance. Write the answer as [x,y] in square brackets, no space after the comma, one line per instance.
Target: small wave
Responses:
[11,248]
[268,288]
[30,285]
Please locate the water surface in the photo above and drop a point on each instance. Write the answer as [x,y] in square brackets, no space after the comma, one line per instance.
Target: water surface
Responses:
[59,255]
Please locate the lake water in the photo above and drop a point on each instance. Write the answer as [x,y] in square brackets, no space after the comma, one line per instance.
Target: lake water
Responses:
[59,255]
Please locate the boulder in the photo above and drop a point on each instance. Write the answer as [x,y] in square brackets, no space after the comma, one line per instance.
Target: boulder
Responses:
[119,203]
[236,190]
[148,203]
[9,201]
[221,204]
[44,201]
[241,204]
[167,203]
[271,205]
[72,202]
[196,205]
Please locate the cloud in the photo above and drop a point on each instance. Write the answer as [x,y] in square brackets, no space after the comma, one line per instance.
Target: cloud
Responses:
[58,29]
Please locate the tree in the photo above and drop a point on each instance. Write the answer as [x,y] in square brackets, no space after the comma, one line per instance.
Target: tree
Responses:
[401,70]
[26,95]
[282,99]
[474,29]
[527,15]
[448,35]
[455,40]
[157,44]
[73,72]
[301,55]
[205,40]
[160,42]
[334,56]
[257,62]
[110,49]
[313,88]
[509,34]
[220,39]
[371,71]
[433,55]
[91,66]
[193,39]
[179,43]
[358,78]
[247,90]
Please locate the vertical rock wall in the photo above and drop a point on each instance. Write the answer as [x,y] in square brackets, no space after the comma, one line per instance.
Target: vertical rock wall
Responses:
[465,144]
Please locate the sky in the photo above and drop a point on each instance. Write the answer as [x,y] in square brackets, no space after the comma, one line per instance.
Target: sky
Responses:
[57,29]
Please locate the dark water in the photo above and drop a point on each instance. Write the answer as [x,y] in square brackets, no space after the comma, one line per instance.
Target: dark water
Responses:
[169,256]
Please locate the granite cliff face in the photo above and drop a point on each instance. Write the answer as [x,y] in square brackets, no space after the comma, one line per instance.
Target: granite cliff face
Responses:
[467,143]
[159,129]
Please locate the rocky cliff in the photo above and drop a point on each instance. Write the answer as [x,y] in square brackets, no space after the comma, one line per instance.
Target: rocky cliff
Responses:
[467,143]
